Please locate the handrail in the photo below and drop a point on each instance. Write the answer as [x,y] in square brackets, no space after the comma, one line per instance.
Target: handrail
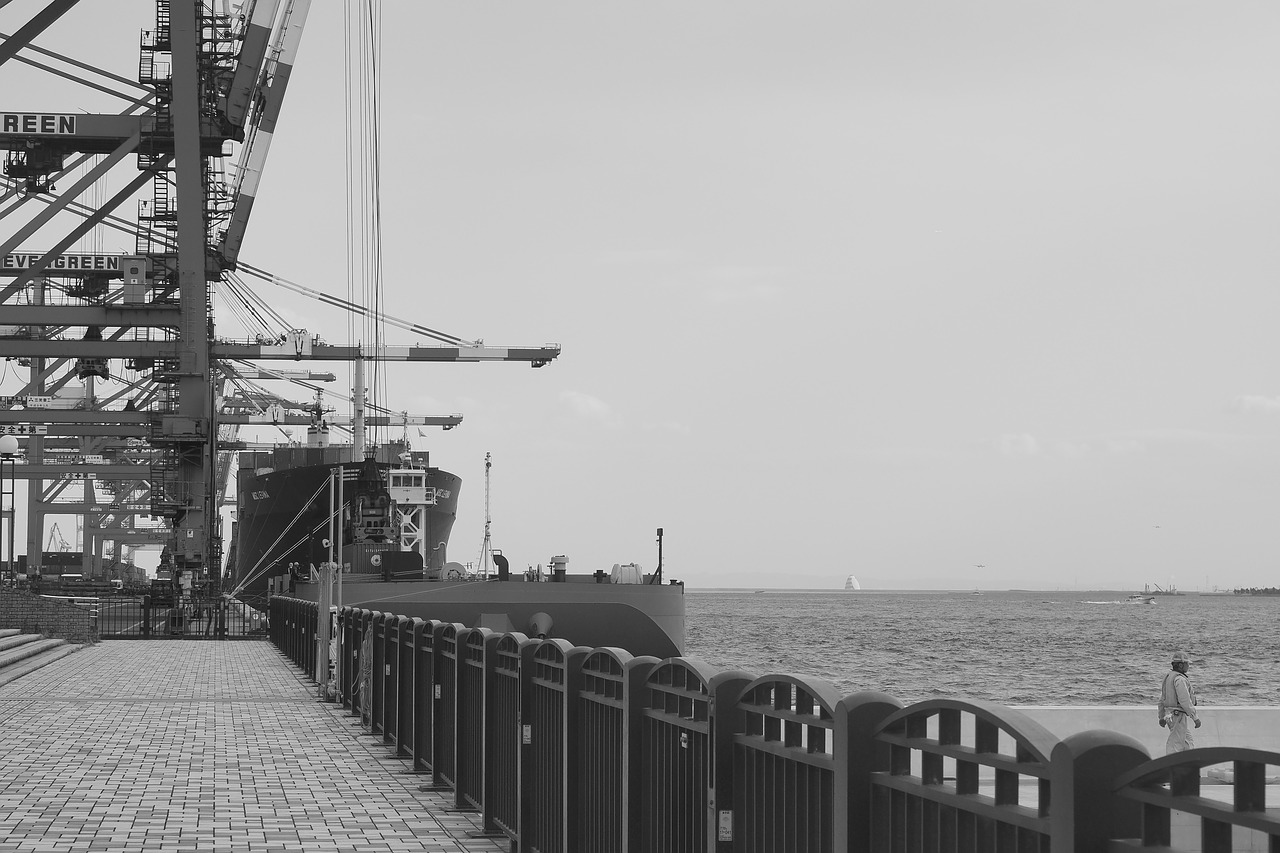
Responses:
[562,748]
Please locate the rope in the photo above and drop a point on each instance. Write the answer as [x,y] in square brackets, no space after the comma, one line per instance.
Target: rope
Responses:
[253,573]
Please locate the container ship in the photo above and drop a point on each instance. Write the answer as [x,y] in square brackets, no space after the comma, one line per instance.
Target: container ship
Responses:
[395,508]
[396,513]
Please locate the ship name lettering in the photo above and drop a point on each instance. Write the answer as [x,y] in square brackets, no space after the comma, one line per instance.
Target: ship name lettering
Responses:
[257,496]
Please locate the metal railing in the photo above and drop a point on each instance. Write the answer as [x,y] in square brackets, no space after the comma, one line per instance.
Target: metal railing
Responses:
[130,617]
[564,749]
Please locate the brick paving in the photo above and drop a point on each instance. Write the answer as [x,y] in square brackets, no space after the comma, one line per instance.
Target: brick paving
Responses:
[182,746]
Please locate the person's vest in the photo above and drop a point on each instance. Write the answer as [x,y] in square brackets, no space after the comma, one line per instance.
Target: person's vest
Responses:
[1169,691]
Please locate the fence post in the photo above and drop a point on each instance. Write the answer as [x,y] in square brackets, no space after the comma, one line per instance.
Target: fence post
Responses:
[505,671]
[146,617]
[424,696]
[377,655]
[361,622]
[858,754]
[1086,811]
[474,646]
[444,739]
[405,687]
[311,618]
[686,729]
[292,629]
[344,628]
[634,676]
[390,675]
[725,689]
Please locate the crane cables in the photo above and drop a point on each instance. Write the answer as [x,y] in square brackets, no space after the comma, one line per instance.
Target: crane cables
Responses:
[131,230]
[362,32]
[255,305]
[359,309]
[311,386]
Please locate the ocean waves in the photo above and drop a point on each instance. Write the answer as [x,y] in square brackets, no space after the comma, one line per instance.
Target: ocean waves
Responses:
[1016,648]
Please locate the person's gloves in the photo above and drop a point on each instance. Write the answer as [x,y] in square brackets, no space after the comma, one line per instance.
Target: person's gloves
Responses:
[1197,722]
[1162,723]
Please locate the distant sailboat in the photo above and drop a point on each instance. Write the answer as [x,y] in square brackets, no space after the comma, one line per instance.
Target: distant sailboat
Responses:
[852,583]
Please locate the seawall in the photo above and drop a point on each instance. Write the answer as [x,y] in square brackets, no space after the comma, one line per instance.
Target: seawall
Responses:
[1230,725]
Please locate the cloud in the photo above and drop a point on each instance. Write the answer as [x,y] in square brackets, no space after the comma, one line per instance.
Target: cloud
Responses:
[1255,404]
[1017,445]
[740,284]
[1123,446]
[1082,449]
[1073,449]
[666,426]
[589,408]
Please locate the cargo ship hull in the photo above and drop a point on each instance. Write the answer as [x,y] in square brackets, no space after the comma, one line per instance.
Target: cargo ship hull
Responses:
[283,510]
[399,564]
[644,619]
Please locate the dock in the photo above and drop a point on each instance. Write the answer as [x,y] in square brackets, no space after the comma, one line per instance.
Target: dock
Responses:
[186,746]
[463,739]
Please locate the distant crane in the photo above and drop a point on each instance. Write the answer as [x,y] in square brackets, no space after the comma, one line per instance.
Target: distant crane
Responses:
[55,535]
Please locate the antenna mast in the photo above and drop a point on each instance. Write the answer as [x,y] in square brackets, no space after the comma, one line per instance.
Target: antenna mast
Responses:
[486,549]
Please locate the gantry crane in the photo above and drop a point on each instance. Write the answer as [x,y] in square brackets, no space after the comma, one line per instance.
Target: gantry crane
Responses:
[207,82]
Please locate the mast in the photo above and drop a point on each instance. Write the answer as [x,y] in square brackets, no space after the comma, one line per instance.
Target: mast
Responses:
[486,548]
[357,403]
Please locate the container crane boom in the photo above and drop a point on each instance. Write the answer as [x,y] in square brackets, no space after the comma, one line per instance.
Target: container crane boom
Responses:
[270,86]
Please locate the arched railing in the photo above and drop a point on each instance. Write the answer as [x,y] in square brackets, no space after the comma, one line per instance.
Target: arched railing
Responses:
[962,769]
[786,779]
[1241,821]
[562,749]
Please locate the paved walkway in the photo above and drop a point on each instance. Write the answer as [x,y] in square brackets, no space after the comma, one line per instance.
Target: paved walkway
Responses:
[202,746]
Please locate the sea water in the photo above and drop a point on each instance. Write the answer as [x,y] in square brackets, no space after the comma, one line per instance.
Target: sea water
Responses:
[1016,648]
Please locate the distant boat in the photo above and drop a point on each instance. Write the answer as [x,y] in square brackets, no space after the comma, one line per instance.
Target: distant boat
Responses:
[1139,598]
[1172,590]
[852,583]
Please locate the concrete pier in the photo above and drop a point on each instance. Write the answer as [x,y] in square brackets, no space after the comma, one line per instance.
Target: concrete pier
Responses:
[209,746]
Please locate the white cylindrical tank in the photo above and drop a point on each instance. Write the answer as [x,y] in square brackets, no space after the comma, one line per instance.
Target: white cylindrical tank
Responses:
[628,573]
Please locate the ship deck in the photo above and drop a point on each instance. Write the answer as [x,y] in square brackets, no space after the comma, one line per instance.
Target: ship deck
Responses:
[185,746]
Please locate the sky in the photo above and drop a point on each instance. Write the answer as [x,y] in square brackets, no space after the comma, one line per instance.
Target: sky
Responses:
[940,295]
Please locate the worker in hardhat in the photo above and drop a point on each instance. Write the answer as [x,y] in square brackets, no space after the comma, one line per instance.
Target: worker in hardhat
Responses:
[1178,705]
